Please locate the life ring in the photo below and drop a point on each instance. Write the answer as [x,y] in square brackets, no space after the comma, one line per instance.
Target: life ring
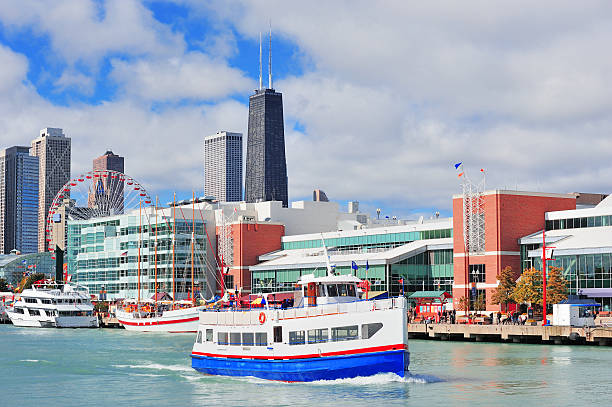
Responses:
[262,317]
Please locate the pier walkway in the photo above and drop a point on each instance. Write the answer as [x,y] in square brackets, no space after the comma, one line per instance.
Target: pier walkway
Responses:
[601,335]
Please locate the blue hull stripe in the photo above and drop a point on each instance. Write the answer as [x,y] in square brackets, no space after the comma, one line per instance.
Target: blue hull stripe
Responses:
[306,370]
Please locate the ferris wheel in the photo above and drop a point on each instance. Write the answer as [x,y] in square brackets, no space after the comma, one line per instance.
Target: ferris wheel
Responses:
[95,194]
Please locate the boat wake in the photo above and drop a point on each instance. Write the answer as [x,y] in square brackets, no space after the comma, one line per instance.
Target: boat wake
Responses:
[380,379]
[157,366]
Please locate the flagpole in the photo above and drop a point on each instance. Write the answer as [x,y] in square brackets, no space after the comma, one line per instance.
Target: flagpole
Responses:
[156,225]
[139,244]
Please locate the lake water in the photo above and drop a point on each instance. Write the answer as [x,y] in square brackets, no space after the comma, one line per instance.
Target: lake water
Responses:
[62,367]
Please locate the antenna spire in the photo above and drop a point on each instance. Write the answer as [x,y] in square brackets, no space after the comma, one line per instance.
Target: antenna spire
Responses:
[260,80]
[270,60]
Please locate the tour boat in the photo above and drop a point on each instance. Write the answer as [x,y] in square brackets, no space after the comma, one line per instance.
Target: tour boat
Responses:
[330,334]
[160,317]
[54,305]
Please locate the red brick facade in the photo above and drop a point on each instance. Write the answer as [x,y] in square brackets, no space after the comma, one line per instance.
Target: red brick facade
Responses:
[509,215]
[251,240]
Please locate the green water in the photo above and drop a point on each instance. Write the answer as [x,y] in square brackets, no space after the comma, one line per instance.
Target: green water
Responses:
[51,367]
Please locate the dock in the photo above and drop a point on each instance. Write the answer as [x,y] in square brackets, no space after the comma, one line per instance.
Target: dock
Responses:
[558,335]
[107,321]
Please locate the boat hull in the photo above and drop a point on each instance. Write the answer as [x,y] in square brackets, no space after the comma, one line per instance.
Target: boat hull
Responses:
[176,322]
[307,369]
[57,322]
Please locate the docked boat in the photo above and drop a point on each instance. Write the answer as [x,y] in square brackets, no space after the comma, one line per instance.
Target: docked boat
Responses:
[179,317]
[330,334]
[54,305]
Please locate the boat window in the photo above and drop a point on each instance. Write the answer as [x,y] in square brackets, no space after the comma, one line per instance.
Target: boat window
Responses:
[343,290]
[235,338]
[351,290]
[18,310]
[297,338]
[261,338]
[222,338]
[368,330]
[321,290]
[34,312]
[31,300]
[46,301]
[199,337]
[332,290]
[318,335]
[344,333]
[248,339]
[209,335]
[278,334]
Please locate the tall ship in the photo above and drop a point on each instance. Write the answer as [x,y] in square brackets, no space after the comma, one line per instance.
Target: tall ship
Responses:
[54,305]
[330,334]
[167,316]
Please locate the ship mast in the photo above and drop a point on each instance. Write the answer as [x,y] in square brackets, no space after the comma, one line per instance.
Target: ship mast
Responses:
[139,244]
[155,260]
[192,243]
[173,245]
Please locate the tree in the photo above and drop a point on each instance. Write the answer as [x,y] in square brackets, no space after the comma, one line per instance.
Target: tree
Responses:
[529,287]
[3,285]
[24,285]
[480,303]
[462,304]
[556,286]
[502,294]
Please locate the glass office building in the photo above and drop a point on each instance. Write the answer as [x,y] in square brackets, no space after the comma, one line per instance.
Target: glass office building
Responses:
[103,254]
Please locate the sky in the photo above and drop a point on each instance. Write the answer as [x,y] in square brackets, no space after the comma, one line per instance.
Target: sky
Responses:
[381,98]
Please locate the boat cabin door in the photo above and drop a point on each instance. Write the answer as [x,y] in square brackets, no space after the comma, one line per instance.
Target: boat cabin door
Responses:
[311,293]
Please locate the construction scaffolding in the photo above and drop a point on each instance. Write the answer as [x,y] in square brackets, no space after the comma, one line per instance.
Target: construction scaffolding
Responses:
[473,214]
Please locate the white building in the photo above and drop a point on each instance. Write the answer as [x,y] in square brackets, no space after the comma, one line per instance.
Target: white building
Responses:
[223,166]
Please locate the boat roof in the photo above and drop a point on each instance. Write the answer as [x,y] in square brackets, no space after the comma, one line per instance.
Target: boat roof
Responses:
[310,278]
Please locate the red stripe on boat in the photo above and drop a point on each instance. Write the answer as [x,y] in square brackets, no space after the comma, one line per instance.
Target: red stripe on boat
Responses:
[400,346]
[174,321]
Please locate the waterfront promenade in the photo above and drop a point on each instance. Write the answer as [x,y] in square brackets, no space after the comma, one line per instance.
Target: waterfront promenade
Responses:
[601,335]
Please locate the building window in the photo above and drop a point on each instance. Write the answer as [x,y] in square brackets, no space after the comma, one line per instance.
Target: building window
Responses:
[477,273]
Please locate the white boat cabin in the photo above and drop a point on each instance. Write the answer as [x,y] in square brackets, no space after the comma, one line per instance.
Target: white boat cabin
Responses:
[331,289]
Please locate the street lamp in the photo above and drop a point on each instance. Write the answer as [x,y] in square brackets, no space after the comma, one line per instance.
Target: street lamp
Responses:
[378,213]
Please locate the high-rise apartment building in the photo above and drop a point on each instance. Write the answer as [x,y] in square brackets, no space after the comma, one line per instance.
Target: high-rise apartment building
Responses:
[223,166]
[106,187]
[266,166]
[52,148]
[18,200]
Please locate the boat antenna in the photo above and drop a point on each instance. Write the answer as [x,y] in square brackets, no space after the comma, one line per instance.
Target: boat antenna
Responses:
[270,59]
[330,270]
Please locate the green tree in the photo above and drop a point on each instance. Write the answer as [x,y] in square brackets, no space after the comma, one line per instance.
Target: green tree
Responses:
[3,285]
[502,294]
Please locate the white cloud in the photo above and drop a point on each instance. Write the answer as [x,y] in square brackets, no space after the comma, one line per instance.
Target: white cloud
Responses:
[87,31]
[191,76]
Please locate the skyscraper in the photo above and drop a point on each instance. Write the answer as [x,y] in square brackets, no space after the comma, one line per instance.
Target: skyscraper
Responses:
[105,187]
[18,200]
[52,148]
[266,166]
[223,166]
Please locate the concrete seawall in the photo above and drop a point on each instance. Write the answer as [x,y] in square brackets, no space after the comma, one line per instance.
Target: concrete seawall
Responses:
[598,335]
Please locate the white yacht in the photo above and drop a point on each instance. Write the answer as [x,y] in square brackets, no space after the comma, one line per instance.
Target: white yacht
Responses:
[54,305]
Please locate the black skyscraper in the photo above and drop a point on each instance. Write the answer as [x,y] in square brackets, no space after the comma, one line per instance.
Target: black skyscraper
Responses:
[266,167]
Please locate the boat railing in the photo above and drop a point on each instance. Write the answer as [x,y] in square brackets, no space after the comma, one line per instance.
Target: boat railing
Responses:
[254,316]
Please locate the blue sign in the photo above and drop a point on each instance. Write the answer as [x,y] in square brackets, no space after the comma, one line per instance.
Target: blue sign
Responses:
[474,292]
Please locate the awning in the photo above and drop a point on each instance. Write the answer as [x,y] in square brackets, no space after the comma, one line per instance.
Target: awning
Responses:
[430,294]
[258,301]
[596,292]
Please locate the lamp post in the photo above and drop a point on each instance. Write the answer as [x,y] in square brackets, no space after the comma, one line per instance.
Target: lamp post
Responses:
[377,213]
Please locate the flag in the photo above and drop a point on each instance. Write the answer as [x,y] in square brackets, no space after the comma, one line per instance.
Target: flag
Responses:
[367,265]
[458,165]
[354,265]
[24,261]
[460,174]
[124,253]
[401,281]
[482,170]
[31,266]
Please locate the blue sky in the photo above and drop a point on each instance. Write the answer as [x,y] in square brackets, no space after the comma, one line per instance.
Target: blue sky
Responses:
[381,98]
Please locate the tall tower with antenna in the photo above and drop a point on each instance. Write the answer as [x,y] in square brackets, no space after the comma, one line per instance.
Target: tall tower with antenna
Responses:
[266,165]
